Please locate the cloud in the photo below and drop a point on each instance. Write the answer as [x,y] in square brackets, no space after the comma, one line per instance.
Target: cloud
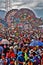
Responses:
[30,4]
[34,4]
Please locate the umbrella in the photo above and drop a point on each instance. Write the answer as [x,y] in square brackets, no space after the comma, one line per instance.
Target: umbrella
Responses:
[40,43]
[5,41]
[36,43]
[33,43]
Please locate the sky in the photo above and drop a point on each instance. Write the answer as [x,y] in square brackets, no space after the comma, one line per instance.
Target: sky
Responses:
[35,5]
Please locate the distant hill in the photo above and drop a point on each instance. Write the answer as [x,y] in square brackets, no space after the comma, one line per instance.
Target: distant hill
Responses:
[39,12]
[2,14]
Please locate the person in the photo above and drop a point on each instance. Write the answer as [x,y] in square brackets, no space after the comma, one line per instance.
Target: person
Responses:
[12,54]
[5,49]
[42,58]
[19,52]
[7,54]
[12,61]
[36,59]
[26,56]
[1,62]
[1,49]
[21,59]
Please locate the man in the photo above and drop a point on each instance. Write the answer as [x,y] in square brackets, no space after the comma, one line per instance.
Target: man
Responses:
[1,49]
[21,59]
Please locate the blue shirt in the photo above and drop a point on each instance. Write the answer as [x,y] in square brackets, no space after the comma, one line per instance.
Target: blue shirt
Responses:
[19,53]
[21,59]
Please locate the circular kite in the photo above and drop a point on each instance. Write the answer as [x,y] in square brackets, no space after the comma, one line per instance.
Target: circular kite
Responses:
[24,15]
[10,15]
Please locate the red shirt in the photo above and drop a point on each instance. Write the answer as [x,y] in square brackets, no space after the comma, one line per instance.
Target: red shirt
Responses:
[12,55]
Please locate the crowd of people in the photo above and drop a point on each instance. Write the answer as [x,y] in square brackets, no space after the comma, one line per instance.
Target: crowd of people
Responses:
[19,52]
[16,48]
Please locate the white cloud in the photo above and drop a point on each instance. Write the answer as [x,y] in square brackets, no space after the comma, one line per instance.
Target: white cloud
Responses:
[34,4]
[28,4]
